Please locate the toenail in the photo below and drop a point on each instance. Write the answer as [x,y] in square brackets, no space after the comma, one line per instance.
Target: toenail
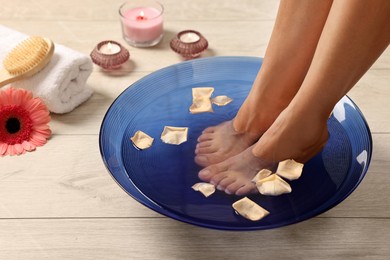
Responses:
[204,173]
[202,158]
[219,187]
[228,192]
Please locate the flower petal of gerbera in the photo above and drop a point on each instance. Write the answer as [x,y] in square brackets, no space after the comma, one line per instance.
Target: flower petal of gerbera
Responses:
[41,127]
[37,139]
[18,96]
[18,148]
[45,133]
[11,150]
[3,148]
[40,117]
[3,98]
[28,146]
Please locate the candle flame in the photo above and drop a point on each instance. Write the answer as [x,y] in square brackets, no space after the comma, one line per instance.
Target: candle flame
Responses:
[109,46]
[141,16]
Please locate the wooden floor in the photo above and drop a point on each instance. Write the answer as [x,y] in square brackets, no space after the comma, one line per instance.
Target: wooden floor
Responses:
[59,202]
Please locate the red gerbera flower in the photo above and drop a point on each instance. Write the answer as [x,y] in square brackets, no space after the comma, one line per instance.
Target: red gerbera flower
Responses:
[23,122]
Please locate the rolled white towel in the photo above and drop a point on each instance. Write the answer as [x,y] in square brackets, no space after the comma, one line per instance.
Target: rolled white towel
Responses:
[62,83]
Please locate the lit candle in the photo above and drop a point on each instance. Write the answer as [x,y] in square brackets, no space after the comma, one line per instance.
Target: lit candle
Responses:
[109,55]
[189,44]
[142,22]
[189,37]
[110,48]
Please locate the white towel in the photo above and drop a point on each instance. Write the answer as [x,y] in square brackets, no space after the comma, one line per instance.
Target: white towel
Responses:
[62,83]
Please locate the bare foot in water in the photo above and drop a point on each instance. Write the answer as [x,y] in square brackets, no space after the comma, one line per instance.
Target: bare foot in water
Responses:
[284,140]
[296,134]
[234,175]
[217,143]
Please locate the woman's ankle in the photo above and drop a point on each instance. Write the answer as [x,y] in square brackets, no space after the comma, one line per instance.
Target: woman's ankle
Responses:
[256,116]
[294,135]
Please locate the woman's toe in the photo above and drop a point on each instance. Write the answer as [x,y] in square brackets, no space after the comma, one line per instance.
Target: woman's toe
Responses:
[202,160]
[225,183]
[206,137]
[205,150]
[233,187]
[246,189]
[210,129]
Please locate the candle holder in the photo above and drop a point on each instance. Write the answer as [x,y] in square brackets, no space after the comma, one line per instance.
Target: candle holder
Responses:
[189,44]
[109,55]
[142,22]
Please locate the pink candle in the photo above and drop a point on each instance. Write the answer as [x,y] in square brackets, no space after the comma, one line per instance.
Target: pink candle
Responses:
[141,26]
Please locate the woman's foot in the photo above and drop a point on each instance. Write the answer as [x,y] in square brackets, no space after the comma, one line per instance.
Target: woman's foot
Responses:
[296,134]
[234,175]
[217,143]
[291,136]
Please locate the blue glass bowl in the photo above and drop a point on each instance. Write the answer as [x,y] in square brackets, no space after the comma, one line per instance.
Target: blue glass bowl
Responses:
[161,177]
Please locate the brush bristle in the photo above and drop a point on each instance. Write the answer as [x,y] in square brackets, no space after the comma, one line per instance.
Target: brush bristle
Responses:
[26,55]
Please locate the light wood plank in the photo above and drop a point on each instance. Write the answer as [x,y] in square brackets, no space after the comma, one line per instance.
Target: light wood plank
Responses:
[64,178]
[371,94]
[67,178]
[168,239]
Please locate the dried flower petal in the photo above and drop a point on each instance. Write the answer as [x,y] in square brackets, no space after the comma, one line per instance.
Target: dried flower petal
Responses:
[201,106]
[141,140]
[221,100]
[261,175]
[289,169]
[202,92]
[201,101]
[249,209]
[205,188]
[273,185]
[174,135]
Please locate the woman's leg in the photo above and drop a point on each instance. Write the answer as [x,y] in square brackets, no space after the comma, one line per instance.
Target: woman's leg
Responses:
[355,34]
[291,48]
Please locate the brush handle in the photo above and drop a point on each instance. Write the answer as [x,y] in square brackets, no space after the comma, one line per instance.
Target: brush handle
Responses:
[6,78]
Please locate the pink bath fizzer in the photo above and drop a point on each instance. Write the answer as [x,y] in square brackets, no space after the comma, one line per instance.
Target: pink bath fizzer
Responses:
[142,26]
